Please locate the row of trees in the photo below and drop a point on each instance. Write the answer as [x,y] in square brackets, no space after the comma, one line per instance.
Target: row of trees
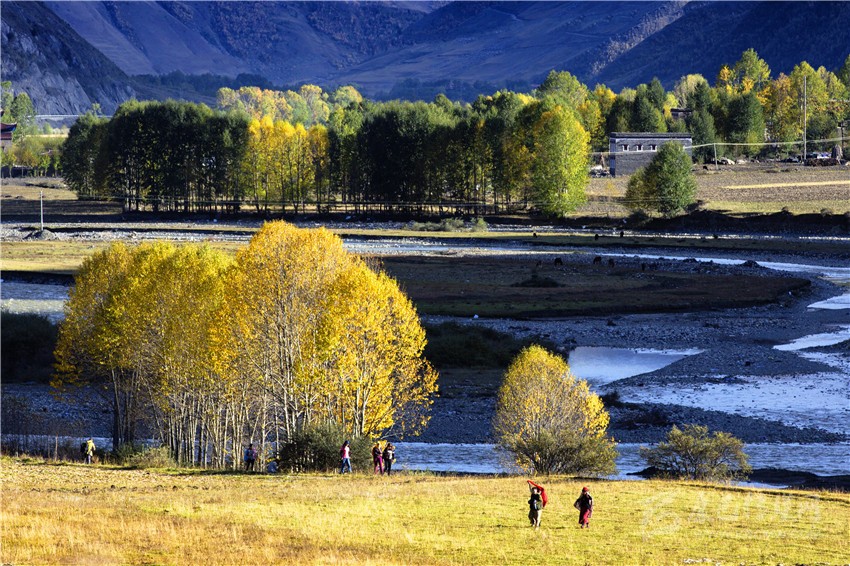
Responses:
[509,150]
[506,150]
[213,353]
[163,155]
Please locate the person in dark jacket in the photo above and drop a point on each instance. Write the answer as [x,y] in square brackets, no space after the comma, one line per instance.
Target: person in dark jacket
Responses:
[389,458]
[584,504]
[535,507]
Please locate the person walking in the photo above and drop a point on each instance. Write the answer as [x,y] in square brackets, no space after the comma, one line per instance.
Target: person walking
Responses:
[389,457]
[535,507]
[90,448]
[377,459]
[345,455]
[584,504]
[250,458]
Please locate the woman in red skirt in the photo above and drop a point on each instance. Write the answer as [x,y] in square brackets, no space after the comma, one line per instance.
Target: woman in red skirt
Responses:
[584,504]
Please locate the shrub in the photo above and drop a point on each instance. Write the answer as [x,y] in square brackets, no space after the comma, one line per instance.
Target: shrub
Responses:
[461,345]
[139,456]
[448,225]
[26,347]
[551,421]
[691,453]
[316,449]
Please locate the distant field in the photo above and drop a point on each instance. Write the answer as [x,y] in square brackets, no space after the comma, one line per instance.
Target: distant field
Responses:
[74,514]
[488,287]
[741,189]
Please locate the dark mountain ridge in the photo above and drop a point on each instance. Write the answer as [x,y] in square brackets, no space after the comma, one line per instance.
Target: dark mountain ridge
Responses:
[69,54]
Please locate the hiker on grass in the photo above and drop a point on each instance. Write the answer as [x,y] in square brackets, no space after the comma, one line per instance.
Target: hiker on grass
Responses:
[536,503]
[89,450]
[377,459]
[584,504]
[345,456]
[389,457]
[250,458]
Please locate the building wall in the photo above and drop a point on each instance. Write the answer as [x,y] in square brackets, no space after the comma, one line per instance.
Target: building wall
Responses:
[630,150]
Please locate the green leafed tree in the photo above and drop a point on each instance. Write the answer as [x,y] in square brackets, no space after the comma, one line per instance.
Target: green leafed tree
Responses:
[560,157]
[549,420]
[666,185]
[691,453]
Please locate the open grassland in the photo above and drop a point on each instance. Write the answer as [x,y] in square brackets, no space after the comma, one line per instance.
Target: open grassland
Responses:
[74,514]
[735,190]
[743,189]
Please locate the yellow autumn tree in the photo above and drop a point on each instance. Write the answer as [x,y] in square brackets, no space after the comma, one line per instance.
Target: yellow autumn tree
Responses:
[328,340]
[180,296]
[137,328]
[377,379]
[92,345]
[551,421]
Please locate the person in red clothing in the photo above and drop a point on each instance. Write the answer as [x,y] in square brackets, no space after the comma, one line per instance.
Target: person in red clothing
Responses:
[584,504]
[378,458]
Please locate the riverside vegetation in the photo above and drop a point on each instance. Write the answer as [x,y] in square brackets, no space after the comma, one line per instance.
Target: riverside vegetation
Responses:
[59,513]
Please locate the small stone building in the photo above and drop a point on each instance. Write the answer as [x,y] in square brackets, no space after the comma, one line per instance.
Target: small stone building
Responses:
[633,150]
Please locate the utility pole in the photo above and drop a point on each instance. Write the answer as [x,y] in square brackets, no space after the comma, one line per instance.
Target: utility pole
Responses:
[42,210]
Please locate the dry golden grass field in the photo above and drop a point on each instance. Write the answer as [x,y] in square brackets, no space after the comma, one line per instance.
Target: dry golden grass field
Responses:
[743,189]
[56,513]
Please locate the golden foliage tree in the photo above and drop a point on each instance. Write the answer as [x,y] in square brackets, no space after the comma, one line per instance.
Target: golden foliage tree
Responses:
[326,336]
[550,420]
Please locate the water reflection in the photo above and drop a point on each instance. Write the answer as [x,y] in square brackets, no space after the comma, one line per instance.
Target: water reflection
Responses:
[600,365]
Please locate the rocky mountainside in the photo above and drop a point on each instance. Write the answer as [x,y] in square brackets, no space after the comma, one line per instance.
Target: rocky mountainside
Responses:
[70,53]
[43,56]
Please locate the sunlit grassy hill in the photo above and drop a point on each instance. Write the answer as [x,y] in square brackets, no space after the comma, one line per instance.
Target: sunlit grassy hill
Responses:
[73,514]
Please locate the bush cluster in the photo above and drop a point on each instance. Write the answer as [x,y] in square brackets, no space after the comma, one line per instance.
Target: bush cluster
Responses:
[458,345]
[26,347]
[143,457]
[316,449]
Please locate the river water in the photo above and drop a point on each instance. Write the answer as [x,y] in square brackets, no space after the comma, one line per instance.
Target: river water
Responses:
[821,459]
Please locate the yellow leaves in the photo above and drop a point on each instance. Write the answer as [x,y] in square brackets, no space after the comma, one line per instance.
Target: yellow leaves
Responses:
[336,339]
[539,393]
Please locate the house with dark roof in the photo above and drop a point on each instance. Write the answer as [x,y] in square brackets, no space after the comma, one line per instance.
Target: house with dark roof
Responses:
[629,151]
[6,135]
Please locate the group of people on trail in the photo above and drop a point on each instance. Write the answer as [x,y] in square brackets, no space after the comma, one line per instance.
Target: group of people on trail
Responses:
[382,458]
[538,501]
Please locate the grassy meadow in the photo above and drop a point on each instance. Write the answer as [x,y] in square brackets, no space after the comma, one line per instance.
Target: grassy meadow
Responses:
[59,513]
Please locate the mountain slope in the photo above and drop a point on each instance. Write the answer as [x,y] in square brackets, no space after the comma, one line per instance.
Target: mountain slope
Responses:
[376,45]
[60,71]
[708,35]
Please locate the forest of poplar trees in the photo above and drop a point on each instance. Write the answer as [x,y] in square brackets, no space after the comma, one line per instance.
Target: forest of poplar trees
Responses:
[310,150]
